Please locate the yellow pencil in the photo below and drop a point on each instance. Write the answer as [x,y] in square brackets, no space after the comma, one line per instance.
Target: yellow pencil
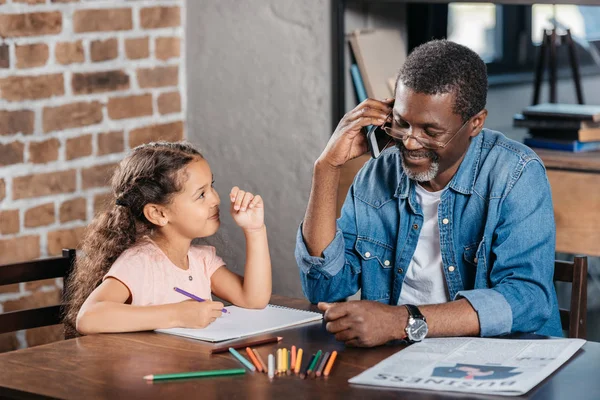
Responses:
[298,362]
[285,359]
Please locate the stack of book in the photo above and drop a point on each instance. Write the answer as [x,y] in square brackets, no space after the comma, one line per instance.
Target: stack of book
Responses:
[566,127]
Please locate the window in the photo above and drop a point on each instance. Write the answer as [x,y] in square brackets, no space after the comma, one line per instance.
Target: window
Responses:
[474,25]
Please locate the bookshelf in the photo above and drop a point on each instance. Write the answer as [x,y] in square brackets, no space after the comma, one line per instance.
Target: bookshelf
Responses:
[339,82]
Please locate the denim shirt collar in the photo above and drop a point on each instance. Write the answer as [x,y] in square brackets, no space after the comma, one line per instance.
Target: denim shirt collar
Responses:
[464,179]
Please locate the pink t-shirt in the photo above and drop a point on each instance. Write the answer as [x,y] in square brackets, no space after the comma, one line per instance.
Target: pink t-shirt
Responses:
[151,276]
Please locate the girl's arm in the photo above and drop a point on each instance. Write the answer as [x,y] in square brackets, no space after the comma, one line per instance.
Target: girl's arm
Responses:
[104,311]
[254,289]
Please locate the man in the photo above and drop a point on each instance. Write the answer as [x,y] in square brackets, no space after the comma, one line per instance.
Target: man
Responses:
[453,222]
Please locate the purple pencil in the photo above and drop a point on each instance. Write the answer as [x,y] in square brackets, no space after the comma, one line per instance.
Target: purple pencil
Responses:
[193,296]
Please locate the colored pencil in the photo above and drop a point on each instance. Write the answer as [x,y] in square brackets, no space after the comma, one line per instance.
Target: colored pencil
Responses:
[197,374]
[293,361]
[288,371]
[330,363]
[241,359]
[322,364]
[278,369]
[252,343]
[298,362]
[252,358]
[313,365]
[283,360]
[310,360]
[271,361]
[260,360]
[193,296]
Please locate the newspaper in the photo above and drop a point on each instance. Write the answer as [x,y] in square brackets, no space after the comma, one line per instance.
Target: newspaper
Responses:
[505,367]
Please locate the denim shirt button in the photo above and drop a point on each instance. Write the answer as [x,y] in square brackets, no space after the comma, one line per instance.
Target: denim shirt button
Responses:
[400,270]
[367,254]
[475,260]
[445,221]
[415,226]
[451,268]
[386,262]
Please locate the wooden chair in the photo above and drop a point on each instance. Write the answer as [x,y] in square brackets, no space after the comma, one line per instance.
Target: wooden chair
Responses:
[57,267]
[574,320]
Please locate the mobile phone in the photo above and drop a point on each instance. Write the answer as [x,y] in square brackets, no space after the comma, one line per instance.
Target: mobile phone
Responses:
[377,140]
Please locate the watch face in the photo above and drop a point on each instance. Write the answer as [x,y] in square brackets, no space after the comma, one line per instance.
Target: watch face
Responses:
[417,330]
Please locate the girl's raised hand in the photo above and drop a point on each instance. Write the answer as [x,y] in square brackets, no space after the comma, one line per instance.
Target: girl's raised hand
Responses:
[247,209]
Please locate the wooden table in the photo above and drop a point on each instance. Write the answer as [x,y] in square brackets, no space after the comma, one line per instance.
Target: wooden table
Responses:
[575,182]
[112,366]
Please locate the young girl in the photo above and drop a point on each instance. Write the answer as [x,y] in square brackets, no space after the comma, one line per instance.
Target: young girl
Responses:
[135,253]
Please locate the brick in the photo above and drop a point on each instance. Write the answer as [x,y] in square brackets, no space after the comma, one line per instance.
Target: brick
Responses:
[31,55]
[40,216]
[73,210]
[102,20]
[23,248]
[20,121]
[44,152]
[137,48]
[31,24]
[4,56]
[97,82]
[167,47]
[130,106]
[34,300]
[9,222]
[2,189]
[39,185]
[36,285]
[78,147]
[19,88]
[160,17]
[97,176]
[8,341]
[102,202]
[104,50]
[111,142]
[169,103]
[45,335]
[64,239]
[69,52]
[13,288]
[71,116]
[170,132]
[11,153]
[158,76]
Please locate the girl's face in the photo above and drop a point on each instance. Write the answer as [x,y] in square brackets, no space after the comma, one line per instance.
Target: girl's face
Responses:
[194,212]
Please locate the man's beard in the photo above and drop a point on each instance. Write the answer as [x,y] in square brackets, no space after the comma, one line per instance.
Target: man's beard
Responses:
[425,176]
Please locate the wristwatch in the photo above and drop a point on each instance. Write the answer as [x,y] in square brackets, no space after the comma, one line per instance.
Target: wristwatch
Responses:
[416,329]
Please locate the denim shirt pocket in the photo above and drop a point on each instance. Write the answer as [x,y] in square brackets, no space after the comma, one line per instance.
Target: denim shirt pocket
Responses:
[475,255]
[377,261]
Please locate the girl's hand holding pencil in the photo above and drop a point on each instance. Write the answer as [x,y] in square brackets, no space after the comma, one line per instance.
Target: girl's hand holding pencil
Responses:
[247,209]
[195,314]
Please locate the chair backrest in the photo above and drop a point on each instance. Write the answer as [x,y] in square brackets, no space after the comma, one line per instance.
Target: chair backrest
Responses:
[56,267]
[574,320]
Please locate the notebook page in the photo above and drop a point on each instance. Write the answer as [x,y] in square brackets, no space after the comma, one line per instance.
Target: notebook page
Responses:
[241,322]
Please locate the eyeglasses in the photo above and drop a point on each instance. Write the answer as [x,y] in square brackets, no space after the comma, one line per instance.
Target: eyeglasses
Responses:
[429,142]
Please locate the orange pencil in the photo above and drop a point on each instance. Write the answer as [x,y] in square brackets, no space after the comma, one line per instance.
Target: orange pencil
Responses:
[298,362]
[330,363]
[260,360]
[253,359]
[293,361]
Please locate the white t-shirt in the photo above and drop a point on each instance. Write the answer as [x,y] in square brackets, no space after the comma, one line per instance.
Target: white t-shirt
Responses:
[424,282]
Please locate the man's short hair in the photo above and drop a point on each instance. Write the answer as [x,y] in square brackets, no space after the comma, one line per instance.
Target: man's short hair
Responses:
[442,66]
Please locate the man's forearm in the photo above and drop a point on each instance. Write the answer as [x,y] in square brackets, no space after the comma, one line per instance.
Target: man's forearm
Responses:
[455,318]
[319,225]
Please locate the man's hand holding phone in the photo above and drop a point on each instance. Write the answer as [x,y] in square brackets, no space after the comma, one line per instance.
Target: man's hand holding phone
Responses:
[349,141]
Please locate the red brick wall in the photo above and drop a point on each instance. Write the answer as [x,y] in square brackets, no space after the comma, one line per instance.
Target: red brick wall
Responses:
[81,83]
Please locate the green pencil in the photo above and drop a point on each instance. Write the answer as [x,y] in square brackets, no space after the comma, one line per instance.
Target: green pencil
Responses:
[197,374]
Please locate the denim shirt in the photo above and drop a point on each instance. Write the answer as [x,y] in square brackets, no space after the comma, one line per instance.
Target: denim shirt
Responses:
[497,237]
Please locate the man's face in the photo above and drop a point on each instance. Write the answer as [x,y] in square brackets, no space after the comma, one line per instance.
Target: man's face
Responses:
[430,116]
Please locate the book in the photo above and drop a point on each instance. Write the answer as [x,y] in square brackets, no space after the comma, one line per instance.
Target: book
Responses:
[243,322]
[582,112]
[552,123]
[379,55]
[574,146]
[361,94]
[582,135]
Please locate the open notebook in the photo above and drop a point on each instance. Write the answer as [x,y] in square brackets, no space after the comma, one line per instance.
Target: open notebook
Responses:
[242,322]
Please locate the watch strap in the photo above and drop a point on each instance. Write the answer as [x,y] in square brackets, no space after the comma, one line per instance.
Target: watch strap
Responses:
[414,312]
